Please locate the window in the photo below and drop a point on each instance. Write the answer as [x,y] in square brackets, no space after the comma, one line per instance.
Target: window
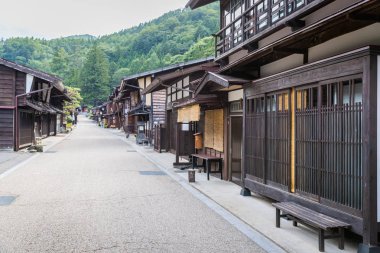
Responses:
[262,15]
[236,106]
[278,10]
[294,5]
[328,141]
[179,90]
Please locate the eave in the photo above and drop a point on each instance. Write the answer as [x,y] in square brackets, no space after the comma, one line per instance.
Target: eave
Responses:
[163,81]
[212,82]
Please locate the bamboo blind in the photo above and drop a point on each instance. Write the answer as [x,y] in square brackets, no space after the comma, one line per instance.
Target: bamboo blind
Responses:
[188,114]
[209,129]
[301,100]
[283,102]
[218,130]
[214,130]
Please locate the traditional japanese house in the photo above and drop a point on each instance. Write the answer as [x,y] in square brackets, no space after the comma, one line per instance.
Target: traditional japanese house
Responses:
[146,96]
[103,116]
[222,120]
[170,87]
[31,105]
[95,113]
[114,113]
[135,105]
[123,100]
[311,106]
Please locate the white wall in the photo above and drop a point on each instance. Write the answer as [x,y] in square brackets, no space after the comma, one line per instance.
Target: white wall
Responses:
[235,95]
[363,37]
[148,99]
[283,64]
[28,83]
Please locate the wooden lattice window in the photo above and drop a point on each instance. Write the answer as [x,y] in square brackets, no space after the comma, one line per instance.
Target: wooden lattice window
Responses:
[329,142]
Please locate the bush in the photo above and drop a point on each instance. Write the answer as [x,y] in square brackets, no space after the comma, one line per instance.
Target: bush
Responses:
[69,119]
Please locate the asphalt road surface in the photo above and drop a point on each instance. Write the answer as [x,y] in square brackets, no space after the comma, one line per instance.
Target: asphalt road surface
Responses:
[93,193]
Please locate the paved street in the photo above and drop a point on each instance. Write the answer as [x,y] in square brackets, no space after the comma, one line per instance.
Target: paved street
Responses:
[93,193]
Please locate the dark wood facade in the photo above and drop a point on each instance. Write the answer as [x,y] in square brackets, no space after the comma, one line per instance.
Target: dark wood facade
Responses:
[29,103]
[310,107]
[323,116]
[169,88]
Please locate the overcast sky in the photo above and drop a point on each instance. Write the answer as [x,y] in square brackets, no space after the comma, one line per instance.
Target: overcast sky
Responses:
[59,18]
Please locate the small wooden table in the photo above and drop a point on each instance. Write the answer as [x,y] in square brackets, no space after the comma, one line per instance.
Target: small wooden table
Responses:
[207,159]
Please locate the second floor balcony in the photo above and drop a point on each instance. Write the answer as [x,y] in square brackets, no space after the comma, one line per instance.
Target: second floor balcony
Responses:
[246,21]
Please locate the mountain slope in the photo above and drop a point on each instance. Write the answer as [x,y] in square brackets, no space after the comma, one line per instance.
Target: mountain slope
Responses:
[174,37]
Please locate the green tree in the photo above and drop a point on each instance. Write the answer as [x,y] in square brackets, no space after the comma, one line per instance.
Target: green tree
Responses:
[59,63]
[118,75]
[76,99]
[175,37]
[203,48]
[94,77]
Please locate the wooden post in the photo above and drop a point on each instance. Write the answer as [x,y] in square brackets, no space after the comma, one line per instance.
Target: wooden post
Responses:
[225,164]
[244,191]
[293,101]
[369,165]
[177,143]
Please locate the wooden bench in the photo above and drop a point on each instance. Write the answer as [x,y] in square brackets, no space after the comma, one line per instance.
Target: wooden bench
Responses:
[311,218]
[207,159]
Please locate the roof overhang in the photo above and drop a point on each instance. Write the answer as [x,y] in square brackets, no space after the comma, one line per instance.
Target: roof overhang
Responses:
[163,81]
[54,80]
[200,99]
[40,107]
[212,82]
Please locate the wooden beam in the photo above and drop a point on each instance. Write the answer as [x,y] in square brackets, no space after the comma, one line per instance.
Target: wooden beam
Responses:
[364,17]
[251,46]
[291,50]
[295,24]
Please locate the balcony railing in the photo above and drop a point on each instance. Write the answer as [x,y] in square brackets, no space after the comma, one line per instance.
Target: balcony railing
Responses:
[255,20]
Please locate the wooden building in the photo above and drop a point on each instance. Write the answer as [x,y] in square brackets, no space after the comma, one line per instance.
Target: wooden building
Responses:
[114,111]
[171,86]
[221,121]
[146,104]
[136,107]
[31,105]
[310,106]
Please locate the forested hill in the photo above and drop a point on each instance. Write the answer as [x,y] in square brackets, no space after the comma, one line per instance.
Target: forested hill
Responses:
[96,64]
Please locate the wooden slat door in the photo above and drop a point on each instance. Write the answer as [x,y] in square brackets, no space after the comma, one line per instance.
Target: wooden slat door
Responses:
[6,129]
[26,121]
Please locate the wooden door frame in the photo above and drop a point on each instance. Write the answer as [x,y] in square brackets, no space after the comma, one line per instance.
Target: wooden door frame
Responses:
[229,148]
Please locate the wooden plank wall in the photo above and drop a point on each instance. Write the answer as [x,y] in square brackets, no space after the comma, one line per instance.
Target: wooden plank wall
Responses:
[6,129]
[7,87]
[26,128]
[20,86]
[159,106]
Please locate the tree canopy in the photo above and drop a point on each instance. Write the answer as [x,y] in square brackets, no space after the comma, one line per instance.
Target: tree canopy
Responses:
[76,98]
[96,64]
